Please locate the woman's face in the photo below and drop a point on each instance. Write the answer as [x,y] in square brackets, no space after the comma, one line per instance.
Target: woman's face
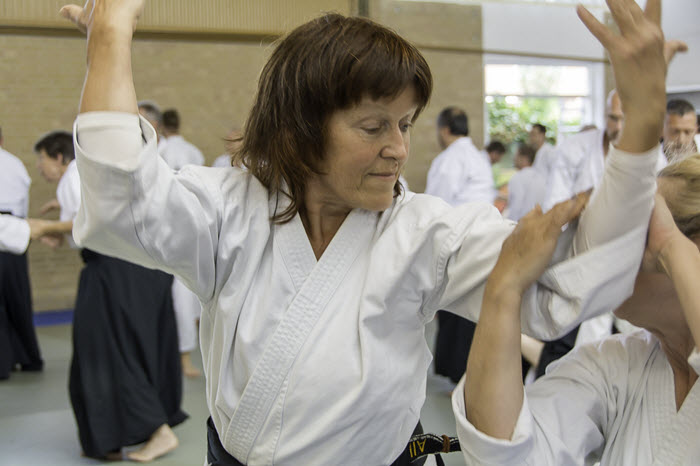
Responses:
[367,146]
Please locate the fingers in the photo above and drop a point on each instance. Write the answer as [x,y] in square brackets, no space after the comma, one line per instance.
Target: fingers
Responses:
[625,13]
[652,11]
[600,31]
[566,211]
[73,13]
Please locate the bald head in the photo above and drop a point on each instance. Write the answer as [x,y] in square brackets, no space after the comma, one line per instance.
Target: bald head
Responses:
[613,116]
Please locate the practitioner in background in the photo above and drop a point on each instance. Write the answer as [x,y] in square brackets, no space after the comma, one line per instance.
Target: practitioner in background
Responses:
[125,380]
[18,343]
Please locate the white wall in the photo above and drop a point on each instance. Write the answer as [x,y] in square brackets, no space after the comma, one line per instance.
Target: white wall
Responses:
[681,20]
[537,29]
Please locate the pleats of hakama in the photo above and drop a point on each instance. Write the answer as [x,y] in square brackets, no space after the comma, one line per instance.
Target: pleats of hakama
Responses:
[18,342]
[125,377]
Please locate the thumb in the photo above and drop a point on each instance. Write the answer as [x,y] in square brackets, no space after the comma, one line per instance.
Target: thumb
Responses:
[71,12]
[566,211]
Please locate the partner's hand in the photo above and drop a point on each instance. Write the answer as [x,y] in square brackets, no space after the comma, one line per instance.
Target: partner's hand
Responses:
[529,248]
[104,13]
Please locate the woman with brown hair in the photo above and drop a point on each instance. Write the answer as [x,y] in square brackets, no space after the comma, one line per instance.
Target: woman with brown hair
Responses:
[316,273]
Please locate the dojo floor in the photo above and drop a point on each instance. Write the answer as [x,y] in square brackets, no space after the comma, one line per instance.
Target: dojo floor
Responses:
[37,426]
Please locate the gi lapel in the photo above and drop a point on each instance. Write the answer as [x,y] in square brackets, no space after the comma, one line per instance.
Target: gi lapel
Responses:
[296,324]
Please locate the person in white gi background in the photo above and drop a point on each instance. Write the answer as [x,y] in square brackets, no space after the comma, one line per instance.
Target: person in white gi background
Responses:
[232,142]
[495,150]
[461,173]
[544,150]
[125,382]
[316,274]
[151,112]
[18,342]
[177,153]
[680,128]
[526,188]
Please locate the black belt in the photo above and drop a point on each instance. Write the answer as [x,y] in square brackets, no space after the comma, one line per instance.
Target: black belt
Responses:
[419,447]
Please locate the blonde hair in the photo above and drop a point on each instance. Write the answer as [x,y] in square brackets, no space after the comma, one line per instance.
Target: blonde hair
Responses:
[683,200]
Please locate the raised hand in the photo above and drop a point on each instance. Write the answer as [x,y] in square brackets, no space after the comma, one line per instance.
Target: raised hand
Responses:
[672,47]
[529,248]
[104,13]
[639,65]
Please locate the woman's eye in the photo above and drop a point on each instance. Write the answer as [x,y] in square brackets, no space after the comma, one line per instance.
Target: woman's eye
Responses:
[372,130]
[406,126]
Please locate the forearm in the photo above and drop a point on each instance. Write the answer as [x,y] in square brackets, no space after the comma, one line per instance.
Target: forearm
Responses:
[109,84]
[622,201]
[58,228]
[681,261]
[493,388]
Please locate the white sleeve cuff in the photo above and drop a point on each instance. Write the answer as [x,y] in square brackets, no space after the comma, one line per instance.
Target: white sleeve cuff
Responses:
[636,161]
[694,360]
[112,138]
[479,448]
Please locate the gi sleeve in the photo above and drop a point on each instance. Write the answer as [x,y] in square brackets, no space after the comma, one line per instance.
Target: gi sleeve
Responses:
[562,174]
[562,422]
[14,234]
[594,266]
[134,207]
[444,180]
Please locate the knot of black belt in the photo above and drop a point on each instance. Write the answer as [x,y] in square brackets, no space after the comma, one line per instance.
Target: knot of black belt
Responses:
[430,444]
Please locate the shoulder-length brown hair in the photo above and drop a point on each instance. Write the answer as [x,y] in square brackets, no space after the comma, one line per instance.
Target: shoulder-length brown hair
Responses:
[328,64]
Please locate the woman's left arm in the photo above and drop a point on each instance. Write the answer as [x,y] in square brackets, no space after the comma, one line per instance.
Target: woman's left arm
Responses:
[679,258]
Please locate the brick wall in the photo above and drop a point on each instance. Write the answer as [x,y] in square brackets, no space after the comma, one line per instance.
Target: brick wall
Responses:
[211,82]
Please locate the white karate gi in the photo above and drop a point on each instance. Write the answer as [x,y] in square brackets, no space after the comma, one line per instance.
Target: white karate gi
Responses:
[68,196]
[223,161]
[579,162]
[348,391]
[578,166]
[526,189]
[544,159]
[177,153]
[461,173]
[612,402]
[14,185]
[14,234]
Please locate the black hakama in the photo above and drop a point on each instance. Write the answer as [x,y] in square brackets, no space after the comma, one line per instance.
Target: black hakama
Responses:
[125,376]
[452,344]
[18,343]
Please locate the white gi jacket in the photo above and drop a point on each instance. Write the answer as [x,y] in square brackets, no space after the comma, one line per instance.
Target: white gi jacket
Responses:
[178,152]
[68,196]
[14,234]
[350,390]
[526,189]
[578,166]
[14,185]
[612,402]
[461,173]
[544,159]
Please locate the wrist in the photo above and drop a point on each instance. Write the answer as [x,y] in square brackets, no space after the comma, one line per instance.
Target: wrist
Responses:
[109,33]
[503,294]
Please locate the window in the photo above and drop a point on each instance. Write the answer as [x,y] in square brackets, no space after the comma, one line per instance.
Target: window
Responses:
[520,91]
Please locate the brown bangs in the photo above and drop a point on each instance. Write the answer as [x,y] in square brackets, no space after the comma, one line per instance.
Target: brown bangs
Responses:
[328,64]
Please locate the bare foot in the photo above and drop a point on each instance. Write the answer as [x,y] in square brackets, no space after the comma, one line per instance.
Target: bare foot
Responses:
[161,442]
[187,367]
